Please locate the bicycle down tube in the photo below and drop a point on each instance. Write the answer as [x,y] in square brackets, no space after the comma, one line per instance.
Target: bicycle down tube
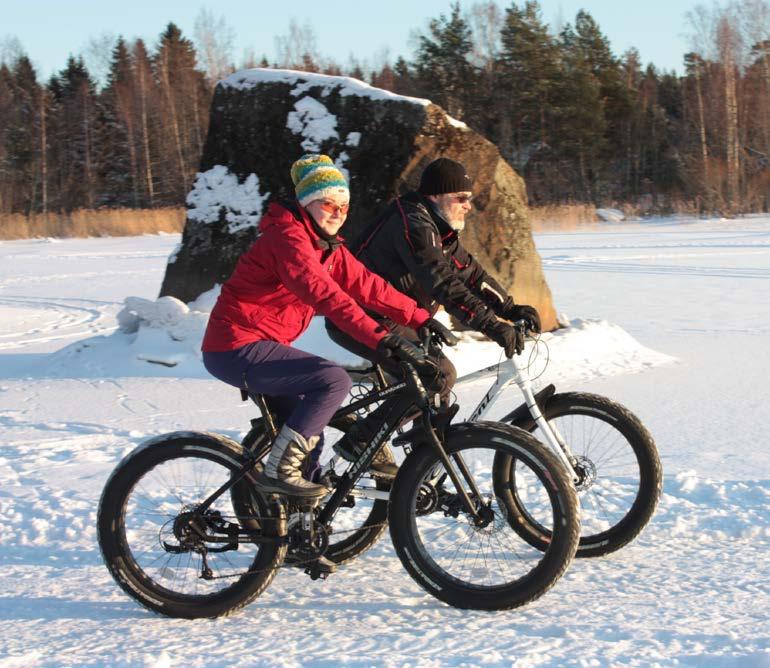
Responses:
[507,374]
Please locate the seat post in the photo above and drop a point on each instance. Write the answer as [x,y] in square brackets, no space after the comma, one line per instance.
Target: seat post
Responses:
[266,414]
[382,381]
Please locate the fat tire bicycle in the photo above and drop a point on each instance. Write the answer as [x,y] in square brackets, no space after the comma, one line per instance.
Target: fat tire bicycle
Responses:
[606,449]
[184,531]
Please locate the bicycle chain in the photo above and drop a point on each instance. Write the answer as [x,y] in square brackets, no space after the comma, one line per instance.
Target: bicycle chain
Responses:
[283,565]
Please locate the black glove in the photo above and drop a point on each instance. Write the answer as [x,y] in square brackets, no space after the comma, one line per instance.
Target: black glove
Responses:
[506,336]
[442,333]
[393,345]
[513,312]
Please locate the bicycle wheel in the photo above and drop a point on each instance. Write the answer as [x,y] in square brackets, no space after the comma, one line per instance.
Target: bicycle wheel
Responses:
[149,529]
[481,564]
[618,466]
[358,525]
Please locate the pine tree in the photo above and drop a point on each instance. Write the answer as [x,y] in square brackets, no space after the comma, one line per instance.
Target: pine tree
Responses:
[120,175]
[404,78]
[527,77]
[75,133]
[146,99]
[186,95]
[580,127]
[594,48]
[23,139]
[6,116]
[443,69]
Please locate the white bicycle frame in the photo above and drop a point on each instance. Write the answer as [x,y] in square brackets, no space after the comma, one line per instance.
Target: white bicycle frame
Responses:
[507,373]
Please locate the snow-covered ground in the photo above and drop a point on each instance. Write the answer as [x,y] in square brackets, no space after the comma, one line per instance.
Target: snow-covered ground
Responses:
[669,317]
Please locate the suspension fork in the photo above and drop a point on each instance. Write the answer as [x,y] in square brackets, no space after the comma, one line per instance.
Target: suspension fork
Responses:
[447,462]
[550,433]
[423,401]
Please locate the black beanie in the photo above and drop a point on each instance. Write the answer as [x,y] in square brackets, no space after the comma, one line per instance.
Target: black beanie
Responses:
[444,176]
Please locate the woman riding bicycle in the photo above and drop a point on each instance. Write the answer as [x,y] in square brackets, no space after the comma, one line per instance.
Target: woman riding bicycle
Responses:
[296,268]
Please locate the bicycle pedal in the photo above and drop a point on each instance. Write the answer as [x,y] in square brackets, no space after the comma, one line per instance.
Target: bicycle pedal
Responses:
[315,575]
[320,569]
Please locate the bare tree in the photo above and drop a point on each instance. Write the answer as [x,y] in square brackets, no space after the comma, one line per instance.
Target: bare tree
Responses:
[298,49]
[486,21]
[729,45]
[10,50]
[249,59]
[97,54]
[144,93]
[214,40]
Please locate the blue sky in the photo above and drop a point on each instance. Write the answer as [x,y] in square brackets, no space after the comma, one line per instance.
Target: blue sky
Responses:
[49,30]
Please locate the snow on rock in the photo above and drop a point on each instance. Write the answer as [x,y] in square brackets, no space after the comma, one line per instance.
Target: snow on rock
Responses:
[218,189]
[173,255]
[314,122]
[610,215]
[346,86]
[165,312]
[457,124]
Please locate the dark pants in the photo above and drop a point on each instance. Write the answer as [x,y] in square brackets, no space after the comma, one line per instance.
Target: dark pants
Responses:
[304,390]
[392,368]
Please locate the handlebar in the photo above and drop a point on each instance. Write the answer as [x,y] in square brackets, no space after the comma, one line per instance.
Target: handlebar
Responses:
[522,325]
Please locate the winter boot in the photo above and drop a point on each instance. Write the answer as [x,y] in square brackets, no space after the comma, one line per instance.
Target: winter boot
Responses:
[283,470]
[352,445]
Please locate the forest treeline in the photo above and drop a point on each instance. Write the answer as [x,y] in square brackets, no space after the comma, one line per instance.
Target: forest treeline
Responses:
[579,122]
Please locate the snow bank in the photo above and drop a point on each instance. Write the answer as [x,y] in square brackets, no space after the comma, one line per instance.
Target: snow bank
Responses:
[162,337]
[610,215]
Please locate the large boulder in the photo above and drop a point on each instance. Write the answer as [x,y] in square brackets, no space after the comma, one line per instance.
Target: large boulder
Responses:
[263,119]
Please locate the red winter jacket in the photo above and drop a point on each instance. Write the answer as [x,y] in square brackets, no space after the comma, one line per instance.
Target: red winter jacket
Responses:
[288,275]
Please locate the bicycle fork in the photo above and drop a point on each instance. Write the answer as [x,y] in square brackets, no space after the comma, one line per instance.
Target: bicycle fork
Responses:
[549,431]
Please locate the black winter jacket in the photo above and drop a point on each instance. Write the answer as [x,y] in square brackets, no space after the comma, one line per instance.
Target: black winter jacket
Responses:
[414,248]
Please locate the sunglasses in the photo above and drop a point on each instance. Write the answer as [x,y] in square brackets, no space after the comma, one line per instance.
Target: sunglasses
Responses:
[462,199]
[332,208]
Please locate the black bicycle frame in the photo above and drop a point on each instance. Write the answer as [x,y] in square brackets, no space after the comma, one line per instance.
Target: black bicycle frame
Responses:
[398,408]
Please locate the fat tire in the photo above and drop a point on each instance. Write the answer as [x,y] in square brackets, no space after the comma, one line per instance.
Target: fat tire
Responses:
[650,474]
[563,499]
[117,554]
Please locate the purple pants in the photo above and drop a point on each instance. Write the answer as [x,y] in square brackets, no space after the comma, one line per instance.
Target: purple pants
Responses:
[304,390]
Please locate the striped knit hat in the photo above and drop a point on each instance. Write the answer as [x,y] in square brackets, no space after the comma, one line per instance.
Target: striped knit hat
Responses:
[316,177]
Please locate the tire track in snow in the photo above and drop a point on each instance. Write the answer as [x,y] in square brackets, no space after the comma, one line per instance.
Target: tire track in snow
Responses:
[51,320]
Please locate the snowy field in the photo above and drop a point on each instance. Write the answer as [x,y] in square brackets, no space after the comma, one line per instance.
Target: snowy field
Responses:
[669,317]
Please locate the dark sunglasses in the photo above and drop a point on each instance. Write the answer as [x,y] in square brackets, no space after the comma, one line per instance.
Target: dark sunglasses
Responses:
[462,199]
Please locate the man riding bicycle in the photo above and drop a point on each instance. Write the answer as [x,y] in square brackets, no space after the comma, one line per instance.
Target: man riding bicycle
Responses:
[414,245]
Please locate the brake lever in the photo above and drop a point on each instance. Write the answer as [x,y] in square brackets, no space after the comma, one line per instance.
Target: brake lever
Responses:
[521,324]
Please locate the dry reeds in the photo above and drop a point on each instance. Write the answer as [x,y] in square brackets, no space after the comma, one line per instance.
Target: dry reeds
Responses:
[93,223]
[561,216]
